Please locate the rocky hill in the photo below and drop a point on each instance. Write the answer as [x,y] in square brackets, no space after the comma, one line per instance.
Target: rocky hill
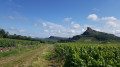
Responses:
[92,35]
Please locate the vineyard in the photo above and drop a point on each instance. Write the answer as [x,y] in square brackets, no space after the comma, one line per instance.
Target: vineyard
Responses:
[89,55]
[13,42]
[22,53]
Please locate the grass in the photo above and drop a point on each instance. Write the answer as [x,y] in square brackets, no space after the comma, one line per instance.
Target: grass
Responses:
[42,59]
[20,49]
[23,57]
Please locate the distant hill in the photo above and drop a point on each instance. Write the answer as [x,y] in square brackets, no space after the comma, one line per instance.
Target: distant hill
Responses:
[56,38]
[52,39]
[99,35]
[92,35]
[38,38]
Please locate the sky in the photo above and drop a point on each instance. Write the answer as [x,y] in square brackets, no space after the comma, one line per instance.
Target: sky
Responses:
[64,18]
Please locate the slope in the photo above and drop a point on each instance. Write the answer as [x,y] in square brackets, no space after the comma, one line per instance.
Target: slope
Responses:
[91,35]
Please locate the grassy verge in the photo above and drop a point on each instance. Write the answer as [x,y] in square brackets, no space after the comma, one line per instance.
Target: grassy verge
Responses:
[23,58]
[42,58]
[20,49]
[46,58]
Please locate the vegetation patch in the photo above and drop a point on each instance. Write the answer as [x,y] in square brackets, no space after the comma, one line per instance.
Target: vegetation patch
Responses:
[19,49]
[89,55]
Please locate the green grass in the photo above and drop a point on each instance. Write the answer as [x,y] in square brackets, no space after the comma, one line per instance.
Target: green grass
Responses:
[23,57]
[42,58]
[4,42]
[16,51]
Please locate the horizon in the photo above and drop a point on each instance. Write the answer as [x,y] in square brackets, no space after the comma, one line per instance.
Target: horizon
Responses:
[38,18]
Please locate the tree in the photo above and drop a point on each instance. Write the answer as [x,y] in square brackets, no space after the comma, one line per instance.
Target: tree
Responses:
[2,33]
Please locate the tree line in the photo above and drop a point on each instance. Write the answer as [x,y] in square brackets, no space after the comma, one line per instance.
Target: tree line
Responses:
[4,34]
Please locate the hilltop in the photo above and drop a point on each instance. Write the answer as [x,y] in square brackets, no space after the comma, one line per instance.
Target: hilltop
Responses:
[92,35]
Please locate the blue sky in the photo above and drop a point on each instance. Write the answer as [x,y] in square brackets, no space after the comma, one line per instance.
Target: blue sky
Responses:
[65,18]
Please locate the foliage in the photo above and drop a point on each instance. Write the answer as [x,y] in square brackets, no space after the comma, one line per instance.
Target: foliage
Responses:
[4,34]
[13,42]
[89,55]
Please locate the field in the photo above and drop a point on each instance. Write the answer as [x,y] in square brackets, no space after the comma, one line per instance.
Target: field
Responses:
[89,55]
[4,42]
[24,53]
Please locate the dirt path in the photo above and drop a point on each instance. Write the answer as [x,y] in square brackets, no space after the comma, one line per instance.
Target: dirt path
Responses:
[23,60]
[42,59]
[29,60]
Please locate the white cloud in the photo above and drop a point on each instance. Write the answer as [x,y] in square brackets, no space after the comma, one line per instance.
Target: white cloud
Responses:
[50,27]
[109,18]
[87,26]
[97,29]
[53,25]
[117,31]
[72,22]
[110,24]
[76,29]
[59,31]
[83,30]
[21,31]
[46,31]
[74,25]
[67,19]
[44,24]
[35,25]
[73,31]
[112,27]
[93,17]
[12,28]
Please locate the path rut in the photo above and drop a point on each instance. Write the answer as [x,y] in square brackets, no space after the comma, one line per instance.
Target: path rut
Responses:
[23,60]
